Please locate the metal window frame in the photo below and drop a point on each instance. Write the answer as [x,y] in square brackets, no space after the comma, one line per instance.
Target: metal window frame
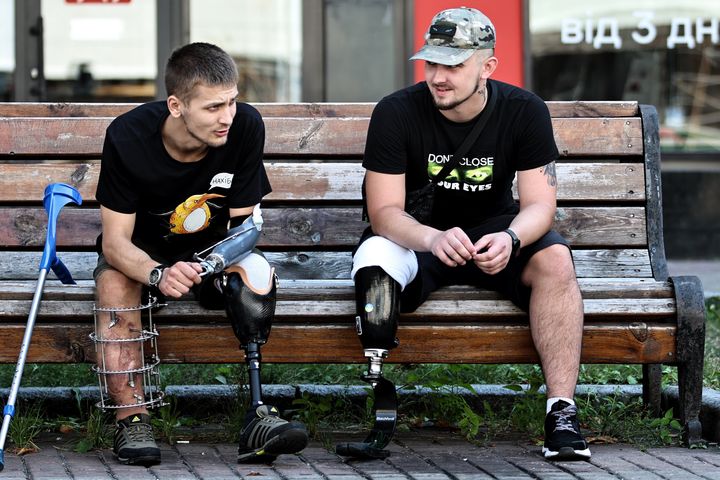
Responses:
[173,31]
[29,77]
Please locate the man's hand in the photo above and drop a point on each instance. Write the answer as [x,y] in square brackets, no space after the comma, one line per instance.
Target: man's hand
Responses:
[453,247]
[493,252]
[177,280]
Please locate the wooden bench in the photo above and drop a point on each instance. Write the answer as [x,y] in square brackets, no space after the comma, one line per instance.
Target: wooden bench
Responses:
[609,207]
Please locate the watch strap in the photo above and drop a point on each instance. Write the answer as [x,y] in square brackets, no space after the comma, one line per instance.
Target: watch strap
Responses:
[515,241]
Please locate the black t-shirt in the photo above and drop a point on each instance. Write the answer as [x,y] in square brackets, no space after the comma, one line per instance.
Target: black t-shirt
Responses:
[409,135]
[180,207]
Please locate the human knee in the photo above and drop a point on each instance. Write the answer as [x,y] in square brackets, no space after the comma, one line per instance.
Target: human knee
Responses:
[377,297]
[554,262]
[114,288]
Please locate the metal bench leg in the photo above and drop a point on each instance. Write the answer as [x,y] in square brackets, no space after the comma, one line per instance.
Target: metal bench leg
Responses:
[690,353]
[652,388]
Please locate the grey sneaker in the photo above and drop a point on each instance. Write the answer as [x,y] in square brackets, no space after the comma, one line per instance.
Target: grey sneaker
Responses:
[134,442]
[267,435]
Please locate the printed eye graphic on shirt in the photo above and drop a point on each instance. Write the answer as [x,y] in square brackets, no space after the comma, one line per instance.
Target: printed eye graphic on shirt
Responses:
[192,215]
[470,175]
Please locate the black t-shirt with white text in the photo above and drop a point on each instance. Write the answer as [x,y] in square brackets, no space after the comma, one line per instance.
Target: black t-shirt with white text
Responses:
[179,207]
[408,135]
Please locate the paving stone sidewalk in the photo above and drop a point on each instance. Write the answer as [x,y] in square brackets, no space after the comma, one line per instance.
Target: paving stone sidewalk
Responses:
[423,455]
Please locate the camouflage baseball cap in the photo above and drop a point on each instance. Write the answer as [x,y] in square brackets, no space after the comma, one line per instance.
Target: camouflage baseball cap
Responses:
[455,34]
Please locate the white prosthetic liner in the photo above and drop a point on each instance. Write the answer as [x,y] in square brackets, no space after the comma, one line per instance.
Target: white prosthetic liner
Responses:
[144,369]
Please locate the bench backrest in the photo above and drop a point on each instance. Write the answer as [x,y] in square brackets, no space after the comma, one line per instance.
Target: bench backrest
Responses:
[608,194]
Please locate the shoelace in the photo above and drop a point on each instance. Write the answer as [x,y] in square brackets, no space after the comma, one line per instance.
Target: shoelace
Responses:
[261,430]
[139,432]
[563,421]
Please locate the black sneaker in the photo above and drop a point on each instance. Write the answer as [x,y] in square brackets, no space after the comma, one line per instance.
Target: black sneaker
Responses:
[563,440]
[267,435]
[134,442]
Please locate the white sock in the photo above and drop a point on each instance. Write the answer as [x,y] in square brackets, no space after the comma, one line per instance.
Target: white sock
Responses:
[551,401]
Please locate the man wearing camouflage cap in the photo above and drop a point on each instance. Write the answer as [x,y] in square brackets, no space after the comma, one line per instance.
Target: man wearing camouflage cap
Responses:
[474,233]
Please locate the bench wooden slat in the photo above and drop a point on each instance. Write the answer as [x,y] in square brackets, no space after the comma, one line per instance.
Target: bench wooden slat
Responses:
[641,343]
[629,263]
[557,109]
[319,227]
[326,182]
[342,289]
[71,136]
[296,310]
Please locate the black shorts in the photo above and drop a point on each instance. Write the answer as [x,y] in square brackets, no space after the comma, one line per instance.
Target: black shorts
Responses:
[433,274]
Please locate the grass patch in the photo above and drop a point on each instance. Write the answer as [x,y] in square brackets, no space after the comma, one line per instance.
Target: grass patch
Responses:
[712,344]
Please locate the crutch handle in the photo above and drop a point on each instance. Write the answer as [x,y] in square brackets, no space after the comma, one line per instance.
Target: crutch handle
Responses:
[57,195]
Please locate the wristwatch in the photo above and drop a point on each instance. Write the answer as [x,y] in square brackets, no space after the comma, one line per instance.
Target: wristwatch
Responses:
[515,242]
[156,275]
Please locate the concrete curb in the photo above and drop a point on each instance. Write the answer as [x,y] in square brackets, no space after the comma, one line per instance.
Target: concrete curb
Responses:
[208,398]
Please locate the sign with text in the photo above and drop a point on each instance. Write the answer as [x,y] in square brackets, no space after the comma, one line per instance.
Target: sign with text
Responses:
[601,31]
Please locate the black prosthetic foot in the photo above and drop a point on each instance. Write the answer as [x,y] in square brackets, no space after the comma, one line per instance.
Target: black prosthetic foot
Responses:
[385,421]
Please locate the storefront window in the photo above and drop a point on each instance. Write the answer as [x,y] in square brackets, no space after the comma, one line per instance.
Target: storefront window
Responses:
[100,51]
[263,36]
[361,47]
[7,48]
[659,52]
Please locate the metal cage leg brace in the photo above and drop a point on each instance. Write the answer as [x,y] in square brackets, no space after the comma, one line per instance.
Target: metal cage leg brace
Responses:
[140,355]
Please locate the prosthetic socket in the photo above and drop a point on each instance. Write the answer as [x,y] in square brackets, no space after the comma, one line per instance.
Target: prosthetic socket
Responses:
[377,298]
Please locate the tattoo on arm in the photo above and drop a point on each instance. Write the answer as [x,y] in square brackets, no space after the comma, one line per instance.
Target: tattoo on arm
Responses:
[549,171]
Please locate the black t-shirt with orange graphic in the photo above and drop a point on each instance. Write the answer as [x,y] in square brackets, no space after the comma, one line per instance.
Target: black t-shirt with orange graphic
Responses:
[179,208]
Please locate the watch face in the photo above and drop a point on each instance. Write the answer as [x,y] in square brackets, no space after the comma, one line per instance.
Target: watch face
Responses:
[155,276]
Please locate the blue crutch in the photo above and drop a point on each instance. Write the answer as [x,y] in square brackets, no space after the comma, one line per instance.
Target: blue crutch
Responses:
[57,195]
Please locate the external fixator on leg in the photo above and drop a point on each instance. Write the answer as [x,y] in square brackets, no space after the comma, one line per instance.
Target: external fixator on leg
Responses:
[251,315]
[377,298]
[141,372]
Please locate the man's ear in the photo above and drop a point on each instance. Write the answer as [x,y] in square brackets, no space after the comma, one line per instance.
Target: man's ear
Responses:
[489,67]
[174,105]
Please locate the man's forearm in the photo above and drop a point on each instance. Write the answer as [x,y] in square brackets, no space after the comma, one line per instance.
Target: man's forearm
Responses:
[400,227]
[127,258]
[533,222]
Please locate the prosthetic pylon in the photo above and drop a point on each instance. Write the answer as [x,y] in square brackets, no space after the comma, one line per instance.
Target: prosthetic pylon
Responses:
[378,305]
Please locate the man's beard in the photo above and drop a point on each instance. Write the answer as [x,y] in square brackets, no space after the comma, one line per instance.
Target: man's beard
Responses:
[457,103]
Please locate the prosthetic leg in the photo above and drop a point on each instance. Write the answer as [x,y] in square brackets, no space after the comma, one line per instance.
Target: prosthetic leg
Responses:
[250,315]
[377,298]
